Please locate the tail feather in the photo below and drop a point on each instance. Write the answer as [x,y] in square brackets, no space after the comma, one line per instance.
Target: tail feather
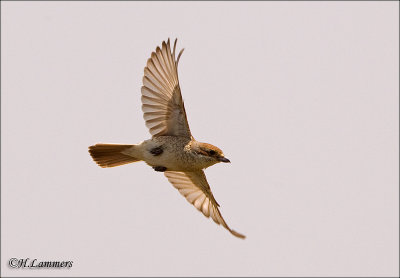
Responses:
[110,155]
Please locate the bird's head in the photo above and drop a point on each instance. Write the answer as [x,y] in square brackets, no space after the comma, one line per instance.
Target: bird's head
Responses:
[210,152]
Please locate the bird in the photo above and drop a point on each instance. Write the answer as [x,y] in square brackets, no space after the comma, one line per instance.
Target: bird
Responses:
[172,148]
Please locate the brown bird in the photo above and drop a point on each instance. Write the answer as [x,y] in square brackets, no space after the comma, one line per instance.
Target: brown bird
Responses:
[172,148]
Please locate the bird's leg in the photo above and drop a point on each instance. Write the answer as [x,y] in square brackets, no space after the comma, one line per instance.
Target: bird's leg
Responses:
[160,168]
[156,151]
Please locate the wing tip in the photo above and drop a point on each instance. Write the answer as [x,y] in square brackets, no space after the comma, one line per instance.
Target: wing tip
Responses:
[173,54]
[236,234]
[179,55]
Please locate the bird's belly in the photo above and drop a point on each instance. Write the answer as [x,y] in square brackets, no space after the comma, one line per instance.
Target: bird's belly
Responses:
[170,155]
[171,160]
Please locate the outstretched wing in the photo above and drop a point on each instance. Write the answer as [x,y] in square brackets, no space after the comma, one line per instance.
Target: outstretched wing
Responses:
[194,187]
[162,103]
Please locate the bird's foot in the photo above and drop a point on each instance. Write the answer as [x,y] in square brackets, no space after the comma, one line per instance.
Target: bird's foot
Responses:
[160,168]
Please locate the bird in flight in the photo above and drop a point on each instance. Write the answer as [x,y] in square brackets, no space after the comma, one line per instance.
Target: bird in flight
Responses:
[172,148]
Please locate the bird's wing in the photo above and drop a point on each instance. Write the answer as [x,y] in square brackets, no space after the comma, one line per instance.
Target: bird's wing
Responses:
[194,187]
[162,103]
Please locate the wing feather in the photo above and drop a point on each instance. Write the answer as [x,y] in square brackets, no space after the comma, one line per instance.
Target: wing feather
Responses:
[162,102]
[150,93]
[194,187]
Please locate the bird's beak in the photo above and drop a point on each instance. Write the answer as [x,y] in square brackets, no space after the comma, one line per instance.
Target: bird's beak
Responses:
[224,159]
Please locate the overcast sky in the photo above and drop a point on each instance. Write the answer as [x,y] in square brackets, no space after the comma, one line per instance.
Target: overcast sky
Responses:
[302,97]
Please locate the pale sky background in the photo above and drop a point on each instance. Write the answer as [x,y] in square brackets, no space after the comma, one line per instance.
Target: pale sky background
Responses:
[303,97]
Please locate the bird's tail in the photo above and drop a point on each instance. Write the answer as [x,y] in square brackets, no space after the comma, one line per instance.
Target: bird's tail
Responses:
[110,155]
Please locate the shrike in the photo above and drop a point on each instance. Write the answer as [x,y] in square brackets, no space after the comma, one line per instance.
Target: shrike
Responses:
[172,148]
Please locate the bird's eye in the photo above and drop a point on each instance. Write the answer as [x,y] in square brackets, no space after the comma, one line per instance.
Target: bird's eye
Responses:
[212,152]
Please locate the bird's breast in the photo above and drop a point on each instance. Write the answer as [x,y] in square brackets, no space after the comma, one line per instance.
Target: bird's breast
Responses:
[170,152]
